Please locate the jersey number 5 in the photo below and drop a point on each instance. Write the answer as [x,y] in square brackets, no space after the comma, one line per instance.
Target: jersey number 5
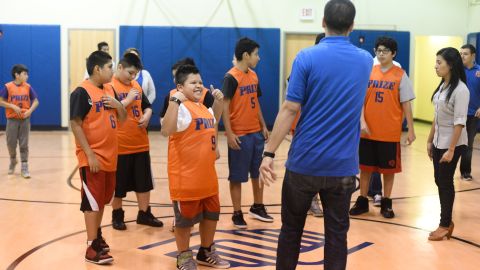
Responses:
[252,102]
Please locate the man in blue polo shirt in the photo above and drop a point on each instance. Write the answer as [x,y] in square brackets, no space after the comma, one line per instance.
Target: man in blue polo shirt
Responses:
[472,71]
[328,82]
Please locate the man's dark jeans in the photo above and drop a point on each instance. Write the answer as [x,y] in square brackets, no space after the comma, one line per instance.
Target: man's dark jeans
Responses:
[297,192]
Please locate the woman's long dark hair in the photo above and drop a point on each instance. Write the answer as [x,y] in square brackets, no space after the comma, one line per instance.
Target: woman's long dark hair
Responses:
[454,60]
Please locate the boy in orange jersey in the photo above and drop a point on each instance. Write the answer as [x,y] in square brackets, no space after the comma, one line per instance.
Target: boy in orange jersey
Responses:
[19,100]
[206,99]
[246,130]
[94,109]
[387,102]
[134,172]
[191,167]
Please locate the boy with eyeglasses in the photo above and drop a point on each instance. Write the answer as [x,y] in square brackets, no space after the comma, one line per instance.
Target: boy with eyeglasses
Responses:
[387,101]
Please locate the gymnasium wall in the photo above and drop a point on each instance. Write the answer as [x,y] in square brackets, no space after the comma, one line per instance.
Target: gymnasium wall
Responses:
[426,78]
[37,47]
[212,49]
[426,17]
[473,24]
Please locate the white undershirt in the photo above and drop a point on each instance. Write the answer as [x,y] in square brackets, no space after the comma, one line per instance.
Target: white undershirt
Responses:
[184,118]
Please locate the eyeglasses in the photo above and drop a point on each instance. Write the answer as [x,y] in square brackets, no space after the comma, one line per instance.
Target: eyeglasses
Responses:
[384,51]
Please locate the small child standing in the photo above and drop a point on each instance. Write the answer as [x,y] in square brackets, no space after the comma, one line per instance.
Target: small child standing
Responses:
[191,167]
[19,100]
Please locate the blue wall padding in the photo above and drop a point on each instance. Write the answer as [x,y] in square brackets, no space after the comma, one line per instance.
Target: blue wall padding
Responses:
[402,38]
[37,47]
[212,49]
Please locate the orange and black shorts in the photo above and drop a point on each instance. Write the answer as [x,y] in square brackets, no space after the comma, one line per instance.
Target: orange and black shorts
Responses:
[188,213]
[381,157]
[97,189]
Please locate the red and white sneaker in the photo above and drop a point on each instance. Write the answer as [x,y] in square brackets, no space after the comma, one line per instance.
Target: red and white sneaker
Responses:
[95,254]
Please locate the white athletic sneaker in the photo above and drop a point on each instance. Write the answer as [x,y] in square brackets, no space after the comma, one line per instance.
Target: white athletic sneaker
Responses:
[377,200]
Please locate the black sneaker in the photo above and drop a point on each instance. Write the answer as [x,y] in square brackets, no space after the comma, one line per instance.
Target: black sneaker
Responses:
[147,218]
[386,208]
[360,206]
[95,254]
[103,243]
[259,212]
[209,257]
[118,216]
[238,220]
[467,177]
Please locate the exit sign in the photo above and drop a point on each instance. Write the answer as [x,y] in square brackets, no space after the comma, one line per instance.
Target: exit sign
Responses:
[307,14]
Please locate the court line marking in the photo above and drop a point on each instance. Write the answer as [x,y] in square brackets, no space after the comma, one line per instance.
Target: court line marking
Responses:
[22,257]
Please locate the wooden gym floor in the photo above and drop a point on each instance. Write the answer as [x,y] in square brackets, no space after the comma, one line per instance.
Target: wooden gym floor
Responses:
[42,227]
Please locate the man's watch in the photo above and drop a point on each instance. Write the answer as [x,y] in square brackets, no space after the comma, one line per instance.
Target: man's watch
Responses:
[174,99]
[268,154]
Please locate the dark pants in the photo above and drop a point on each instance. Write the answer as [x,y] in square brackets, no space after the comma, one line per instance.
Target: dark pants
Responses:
[375,187]
[297,193]
[444,179]
[466,162]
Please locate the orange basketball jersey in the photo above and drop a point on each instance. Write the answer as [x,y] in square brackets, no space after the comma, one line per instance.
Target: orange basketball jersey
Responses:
[131,138]
[382,108]
[18,95]
[244,106]
[100,129]
[191,157]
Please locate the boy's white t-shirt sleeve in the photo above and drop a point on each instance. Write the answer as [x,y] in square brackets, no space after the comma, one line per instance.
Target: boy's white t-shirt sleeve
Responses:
[184,118]
[210,110]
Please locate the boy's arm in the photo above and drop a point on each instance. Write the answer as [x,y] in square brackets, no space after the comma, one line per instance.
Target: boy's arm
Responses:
[147,113]
[282,125]
[145,119]
[93,164]
[217,106]
[363,123]
[34,106]
[12,106]
[262,123]
[232,139]
[169,124]
[132,94]
[407,109]
[113,102]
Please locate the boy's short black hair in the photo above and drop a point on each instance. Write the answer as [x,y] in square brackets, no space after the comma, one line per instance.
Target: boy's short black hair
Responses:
[97,58]
[102,44]
[319,38]
[130,50]
[183,61]
[183,71]
[470,47]
[245,45]
[131,60]
[387,42]
[339,15]
[17,69]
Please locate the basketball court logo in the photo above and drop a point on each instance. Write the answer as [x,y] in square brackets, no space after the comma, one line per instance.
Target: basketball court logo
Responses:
[255,248]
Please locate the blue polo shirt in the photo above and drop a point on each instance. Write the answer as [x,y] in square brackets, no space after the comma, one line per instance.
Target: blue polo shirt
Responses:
[473,84]
[329,80]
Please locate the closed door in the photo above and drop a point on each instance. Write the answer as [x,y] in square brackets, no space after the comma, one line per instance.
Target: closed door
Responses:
[81,43]
[293,44]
